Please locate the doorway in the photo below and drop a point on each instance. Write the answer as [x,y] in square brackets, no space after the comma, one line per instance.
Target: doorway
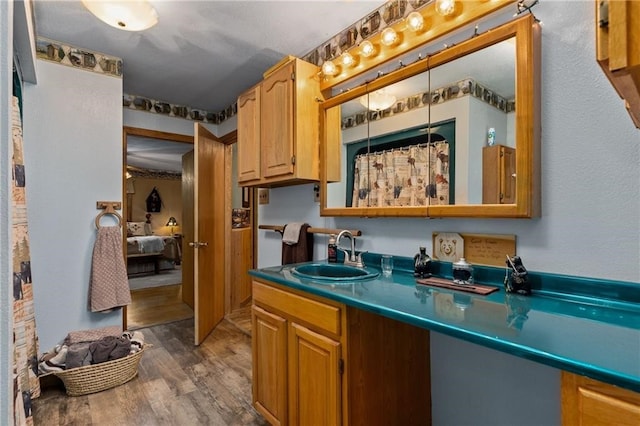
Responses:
[238,229]
[154,244]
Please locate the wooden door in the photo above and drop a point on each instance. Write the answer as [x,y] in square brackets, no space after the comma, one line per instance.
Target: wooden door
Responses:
[269,380]
[249,135]
[187,228]
[276,126]
[210,219]
[314,378]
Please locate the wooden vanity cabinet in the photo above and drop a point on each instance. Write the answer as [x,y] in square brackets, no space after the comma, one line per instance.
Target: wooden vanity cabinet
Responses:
[317,361]
[589,402]
[278,127]
[498,175]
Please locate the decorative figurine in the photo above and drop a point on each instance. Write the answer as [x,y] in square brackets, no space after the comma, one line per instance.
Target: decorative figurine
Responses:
[515,279]
[422,264]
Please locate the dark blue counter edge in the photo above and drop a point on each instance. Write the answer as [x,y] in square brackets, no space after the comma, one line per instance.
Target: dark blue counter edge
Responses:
[590,288]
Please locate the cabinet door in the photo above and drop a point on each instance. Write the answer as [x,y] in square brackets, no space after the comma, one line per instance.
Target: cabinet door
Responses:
[276,127]
[507,172]
[590,402]
[249,135]
[269,365]
[498,169]
[314,378]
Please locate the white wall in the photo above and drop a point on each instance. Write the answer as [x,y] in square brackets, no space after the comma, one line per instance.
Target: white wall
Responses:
[73,153]
[6,264]
[590,223]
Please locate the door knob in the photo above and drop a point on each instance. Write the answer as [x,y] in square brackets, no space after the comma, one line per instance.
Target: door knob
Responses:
[198,244]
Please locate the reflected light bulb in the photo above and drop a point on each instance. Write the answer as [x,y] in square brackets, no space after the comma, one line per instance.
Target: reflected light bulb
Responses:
[347,59]
[367,49]
[445,7]
[329,68]
[415,21]
[389,36]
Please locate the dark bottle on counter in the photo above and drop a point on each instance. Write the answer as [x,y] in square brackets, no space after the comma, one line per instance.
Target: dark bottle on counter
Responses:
[332,250]
[422,264]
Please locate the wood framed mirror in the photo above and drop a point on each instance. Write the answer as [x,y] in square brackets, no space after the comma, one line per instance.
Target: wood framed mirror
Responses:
[429,154]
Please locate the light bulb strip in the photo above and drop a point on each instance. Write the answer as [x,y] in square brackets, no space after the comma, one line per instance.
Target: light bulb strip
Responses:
[435,27]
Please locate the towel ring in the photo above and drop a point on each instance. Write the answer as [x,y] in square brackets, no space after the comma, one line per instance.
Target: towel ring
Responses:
[108,208]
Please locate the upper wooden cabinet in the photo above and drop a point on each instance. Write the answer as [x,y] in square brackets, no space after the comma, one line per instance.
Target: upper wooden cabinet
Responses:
[618,49]
[278,127]
[249,135]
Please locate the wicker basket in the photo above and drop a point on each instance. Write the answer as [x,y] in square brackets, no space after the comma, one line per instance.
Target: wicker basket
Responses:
[98,377]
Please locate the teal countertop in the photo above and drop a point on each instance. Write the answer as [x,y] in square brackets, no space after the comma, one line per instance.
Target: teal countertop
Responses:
[585,326]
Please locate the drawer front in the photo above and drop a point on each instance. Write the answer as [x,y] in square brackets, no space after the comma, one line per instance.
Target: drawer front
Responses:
[314,313]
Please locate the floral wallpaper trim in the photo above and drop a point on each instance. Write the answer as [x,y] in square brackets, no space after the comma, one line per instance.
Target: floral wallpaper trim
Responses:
[462,88]
[54,51]
[154,106]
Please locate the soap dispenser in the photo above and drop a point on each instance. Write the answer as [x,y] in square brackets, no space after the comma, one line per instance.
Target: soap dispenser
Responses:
[332,249]
[422,264]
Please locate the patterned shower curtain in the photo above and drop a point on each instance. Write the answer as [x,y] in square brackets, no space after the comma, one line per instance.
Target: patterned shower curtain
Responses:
[26,385]
[416,175]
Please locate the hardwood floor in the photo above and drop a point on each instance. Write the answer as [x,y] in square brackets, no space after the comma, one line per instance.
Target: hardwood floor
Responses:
[241,318]
[177,384]
[156,305]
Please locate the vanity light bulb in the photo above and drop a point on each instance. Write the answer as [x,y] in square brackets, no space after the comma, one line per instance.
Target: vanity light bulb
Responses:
[329,68]
[389,36]
[415,21]
[445,7]
[367,49]
[347,59]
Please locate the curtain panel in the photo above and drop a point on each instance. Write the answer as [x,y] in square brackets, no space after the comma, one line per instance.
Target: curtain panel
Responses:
[417,175]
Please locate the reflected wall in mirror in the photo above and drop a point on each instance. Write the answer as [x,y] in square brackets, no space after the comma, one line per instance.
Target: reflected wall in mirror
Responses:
[431,152]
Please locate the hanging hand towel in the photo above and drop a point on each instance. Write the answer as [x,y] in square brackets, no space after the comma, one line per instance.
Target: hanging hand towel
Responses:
[291,233]
[302,250]
[108,285]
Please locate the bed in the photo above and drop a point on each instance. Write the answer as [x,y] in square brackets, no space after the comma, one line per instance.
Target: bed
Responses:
[148,253]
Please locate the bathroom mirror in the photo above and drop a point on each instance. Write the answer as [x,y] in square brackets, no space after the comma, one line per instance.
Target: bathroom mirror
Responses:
[427,154]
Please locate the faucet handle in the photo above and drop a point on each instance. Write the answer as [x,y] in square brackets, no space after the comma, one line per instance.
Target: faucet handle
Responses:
[359,258]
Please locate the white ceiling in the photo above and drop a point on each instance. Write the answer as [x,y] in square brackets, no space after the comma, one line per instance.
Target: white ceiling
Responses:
[156,154]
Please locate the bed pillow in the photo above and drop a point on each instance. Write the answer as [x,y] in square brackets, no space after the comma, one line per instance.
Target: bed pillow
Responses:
[137,229]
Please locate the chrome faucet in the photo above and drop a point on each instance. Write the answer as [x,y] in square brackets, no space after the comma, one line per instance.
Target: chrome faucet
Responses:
[350,258]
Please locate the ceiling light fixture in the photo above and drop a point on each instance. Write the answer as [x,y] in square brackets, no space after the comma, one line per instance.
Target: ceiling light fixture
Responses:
[389,36]
[130,15]
[378,100]
[445,7]
[415,21]
[367,48]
